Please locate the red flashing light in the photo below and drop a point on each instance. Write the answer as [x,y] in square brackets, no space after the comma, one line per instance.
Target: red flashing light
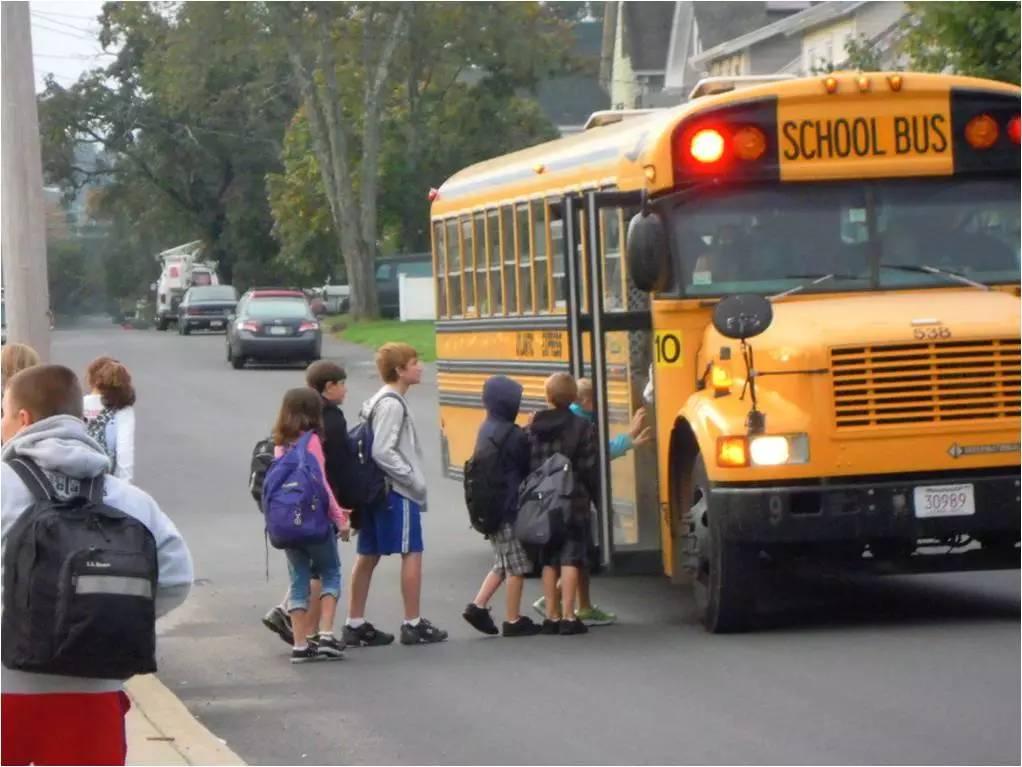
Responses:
[432,194]
[1015,130]
[707,146]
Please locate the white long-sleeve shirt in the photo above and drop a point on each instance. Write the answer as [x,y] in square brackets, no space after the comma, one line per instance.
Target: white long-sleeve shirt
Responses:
[120,435]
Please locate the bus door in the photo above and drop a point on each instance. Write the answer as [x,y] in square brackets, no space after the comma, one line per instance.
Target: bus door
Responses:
[610,342]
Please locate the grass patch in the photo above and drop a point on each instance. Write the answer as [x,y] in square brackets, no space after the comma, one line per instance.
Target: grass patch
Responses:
[375,333]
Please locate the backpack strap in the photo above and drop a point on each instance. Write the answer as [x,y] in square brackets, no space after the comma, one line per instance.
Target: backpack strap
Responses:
[404,410]
[35,480]
[95,489]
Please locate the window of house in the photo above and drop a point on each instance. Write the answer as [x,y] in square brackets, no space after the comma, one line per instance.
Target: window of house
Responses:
[524,260]
[440,256]
[494,257]
[453,270]
[507,243]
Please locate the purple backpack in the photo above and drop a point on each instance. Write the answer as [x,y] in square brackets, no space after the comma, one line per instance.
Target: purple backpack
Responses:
[295,501]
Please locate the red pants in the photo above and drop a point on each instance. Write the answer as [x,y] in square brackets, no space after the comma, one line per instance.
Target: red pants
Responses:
[64,728]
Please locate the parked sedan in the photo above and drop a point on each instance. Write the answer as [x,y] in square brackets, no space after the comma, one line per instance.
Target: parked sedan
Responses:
[208,307]
[273,325]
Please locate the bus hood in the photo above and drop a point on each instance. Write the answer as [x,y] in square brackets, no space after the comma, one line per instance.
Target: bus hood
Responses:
[804,329]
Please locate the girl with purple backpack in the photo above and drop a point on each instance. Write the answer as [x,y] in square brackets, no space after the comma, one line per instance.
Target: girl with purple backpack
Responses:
[299,426]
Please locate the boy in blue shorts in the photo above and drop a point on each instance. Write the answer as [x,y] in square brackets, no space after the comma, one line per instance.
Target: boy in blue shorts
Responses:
[395,525]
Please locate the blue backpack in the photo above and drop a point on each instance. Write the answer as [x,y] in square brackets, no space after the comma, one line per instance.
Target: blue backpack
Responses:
[295,501]
[372,483]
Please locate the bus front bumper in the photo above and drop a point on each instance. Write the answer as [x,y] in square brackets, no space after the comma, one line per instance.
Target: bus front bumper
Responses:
[867,508]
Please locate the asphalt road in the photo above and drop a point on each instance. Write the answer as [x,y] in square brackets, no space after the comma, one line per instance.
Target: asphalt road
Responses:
[921,669]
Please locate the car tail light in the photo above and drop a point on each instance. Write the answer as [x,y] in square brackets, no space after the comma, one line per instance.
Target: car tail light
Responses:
[249,325]
[308,326]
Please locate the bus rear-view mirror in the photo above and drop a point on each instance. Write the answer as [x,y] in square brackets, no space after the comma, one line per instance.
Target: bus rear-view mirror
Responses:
[649,252]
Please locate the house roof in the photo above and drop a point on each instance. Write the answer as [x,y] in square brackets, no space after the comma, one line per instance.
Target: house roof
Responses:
[647,34]
[799,22]
[570,99]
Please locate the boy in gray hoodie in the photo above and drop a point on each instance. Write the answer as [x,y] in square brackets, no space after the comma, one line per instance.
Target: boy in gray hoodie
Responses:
[394,526]
[50,719]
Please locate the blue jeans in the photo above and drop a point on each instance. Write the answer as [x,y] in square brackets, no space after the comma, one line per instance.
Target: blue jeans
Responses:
[300,562]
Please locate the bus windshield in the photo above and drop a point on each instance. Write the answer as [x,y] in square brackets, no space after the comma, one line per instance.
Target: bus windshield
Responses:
[862,235]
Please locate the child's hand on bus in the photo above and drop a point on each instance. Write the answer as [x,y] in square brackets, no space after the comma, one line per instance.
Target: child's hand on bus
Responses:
[638,422]
[644,437]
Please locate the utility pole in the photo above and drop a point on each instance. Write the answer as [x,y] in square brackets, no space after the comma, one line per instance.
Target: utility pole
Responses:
[23,222]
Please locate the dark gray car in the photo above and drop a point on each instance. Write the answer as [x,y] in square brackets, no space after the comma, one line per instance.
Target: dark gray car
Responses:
[207,307]
[273,325]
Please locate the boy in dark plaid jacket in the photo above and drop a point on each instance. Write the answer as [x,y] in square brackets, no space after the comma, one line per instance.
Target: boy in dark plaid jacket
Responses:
[558,430]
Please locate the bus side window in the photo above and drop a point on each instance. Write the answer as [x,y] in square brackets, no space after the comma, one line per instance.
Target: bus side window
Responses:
[507,243]
[539,255]
[524,260]
[482,272]
[613,276]
[468,257]
[453,270]
[557,271]
[440,257]
[493,249]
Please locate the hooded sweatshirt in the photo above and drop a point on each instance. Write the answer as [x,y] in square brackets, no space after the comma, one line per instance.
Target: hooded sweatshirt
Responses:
[62,448]
[502,398]
[617,446]
[396,447]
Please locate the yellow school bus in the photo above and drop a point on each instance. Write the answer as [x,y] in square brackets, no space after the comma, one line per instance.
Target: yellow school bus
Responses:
[821,278]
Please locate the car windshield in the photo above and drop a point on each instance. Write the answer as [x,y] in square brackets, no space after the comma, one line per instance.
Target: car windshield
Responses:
[282,308]
[214,293]
[859,235]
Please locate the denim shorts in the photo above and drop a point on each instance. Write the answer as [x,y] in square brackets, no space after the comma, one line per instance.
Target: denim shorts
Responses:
[322,557]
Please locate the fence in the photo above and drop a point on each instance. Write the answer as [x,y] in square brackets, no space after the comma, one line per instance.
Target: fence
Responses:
[417,298]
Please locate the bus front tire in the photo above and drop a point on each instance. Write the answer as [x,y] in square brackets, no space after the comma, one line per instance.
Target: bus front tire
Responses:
[725,581]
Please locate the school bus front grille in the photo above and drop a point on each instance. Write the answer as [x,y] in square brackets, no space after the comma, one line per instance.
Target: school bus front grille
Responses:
[925,383]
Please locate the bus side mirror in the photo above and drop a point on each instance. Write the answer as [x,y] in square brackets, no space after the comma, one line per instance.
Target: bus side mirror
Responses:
[742,317]
[649,252]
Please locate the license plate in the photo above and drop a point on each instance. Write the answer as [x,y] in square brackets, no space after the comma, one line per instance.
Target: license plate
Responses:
[864,135]
[278,331]
[944,501]
[216,324]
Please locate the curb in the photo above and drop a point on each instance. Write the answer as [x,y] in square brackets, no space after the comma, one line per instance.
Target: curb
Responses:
[176,725]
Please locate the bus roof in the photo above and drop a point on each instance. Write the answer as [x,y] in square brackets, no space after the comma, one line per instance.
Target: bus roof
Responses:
[624,154]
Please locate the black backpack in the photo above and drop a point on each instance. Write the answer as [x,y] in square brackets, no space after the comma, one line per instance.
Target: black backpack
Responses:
[371,483]
[545,499]
[79,581]
[262,457]
[486,485]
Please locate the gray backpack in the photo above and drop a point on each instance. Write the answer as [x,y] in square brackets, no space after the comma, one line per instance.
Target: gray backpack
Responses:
[544,502]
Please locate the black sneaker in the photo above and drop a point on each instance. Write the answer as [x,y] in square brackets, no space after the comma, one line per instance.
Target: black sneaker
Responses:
[523,627]
[308,655]
[366,635]
[550,627]
[329,647]
[424,633]
[574,626]
[279,622]
[480,619]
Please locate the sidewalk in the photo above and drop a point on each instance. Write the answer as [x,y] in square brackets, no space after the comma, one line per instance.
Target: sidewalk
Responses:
[161,731]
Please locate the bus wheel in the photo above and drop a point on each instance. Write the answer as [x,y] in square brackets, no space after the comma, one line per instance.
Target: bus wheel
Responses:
[725,579]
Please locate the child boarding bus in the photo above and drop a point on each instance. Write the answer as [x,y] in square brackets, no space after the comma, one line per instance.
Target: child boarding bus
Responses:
[821,276]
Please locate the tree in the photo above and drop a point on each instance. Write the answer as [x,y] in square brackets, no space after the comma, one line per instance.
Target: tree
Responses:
[188,117]
[341,56]
[981,39]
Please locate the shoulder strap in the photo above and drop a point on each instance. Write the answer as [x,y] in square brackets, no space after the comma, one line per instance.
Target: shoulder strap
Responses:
[389,395]
[35,480]
[95,489]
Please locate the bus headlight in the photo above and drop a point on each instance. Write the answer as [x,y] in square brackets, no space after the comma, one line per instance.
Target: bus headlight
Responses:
[776,450]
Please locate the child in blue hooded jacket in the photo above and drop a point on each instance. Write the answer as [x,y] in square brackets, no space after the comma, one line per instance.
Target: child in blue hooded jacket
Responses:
[502,398]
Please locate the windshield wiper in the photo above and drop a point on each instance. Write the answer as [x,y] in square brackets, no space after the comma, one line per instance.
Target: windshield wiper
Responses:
[815,279]
[927,269]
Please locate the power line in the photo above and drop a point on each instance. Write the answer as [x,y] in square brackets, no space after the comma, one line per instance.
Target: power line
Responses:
[91,38]
[63,24]
[63,15]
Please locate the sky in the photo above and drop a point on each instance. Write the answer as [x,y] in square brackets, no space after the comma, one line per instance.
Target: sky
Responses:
[65,39]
